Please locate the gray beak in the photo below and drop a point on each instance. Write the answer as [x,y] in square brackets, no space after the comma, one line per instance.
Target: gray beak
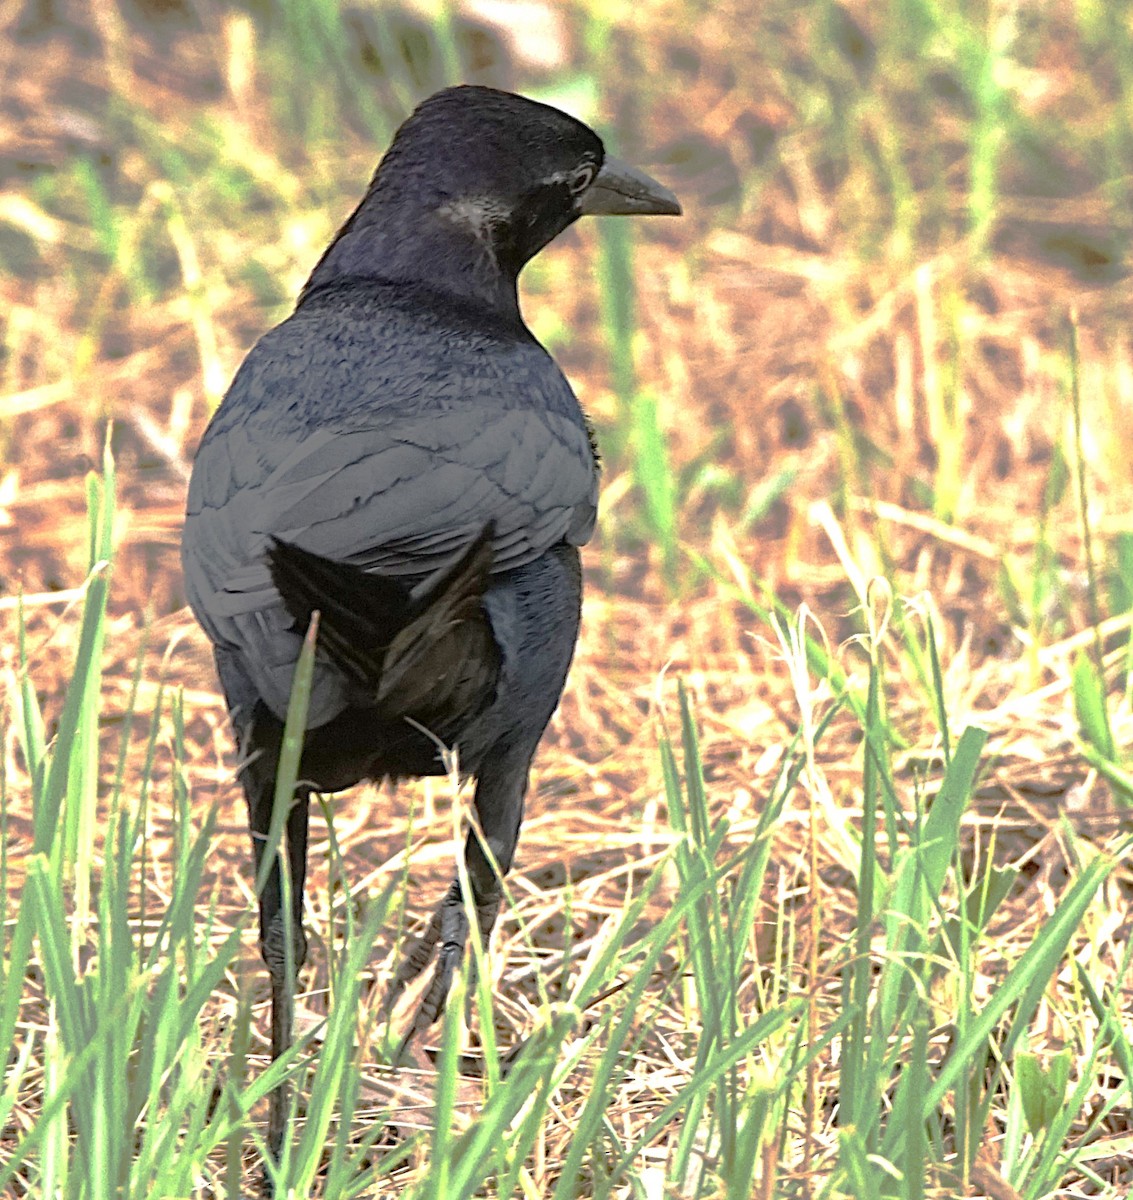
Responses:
[621,190]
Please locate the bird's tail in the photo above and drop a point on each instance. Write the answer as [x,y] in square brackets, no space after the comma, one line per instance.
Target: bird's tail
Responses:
[427,653]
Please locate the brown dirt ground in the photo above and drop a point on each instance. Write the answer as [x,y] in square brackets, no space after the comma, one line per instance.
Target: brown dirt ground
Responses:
[766,356]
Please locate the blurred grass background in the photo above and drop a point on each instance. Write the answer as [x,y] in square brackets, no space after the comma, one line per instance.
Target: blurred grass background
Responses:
[881,369]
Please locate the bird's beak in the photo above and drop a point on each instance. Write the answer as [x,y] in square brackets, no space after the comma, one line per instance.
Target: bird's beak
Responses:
[619,189]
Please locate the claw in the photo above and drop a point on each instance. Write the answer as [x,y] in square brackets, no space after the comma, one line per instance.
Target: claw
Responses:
[419,954]
[448,928]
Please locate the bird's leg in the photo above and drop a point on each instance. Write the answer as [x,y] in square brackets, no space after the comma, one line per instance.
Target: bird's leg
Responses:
[259,786]
[499,805]
[448,929]
[420,952]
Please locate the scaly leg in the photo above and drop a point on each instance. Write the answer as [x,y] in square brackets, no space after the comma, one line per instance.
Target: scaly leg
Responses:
[499,805]
[259,787]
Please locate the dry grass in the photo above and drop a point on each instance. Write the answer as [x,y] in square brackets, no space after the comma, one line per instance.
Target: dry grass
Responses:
[916,401]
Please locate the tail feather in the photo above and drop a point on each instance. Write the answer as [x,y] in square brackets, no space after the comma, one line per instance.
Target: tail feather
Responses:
[427,653]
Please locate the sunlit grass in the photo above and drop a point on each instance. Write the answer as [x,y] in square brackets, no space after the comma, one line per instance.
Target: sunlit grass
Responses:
[846,915]
[121,1050]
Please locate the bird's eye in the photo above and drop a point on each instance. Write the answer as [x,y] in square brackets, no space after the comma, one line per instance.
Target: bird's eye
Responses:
[582,178]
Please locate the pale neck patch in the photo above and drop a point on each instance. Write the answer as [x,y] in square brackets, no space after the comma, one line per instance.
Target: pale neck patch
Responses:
[477,214]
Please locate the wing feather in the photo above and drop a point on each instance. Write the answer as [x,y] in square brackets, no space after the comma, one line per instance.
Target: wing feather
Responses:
[400,479]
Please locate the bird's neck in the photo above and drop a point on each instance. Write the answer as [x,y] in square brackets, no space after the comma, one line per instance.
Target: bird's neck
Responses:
[439,250]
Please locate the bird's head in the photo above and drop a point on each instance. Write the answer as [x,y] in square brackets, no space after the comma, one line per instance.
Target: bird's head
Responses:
[475,183]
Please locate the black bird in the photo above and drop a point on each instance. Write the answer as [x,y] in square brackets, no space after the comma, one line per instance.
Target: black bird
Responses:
[404,457]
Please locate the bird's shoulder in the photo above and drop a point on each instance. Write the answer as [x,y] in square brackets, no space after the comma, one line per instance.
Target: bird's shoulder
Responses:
[362,351]
[387,429]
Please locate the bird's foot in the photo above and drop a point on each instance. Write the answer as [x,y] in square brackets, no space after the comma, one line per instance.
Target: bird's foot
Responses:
[447,929]
[420,952]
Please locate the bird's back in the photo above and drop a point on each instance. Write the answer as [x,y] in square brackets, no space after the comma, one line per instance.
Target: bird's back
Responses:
[383,426]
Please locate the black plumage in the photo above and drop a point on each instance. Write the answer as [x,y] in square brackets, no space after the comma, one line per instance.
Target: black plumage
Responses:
[404,457]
